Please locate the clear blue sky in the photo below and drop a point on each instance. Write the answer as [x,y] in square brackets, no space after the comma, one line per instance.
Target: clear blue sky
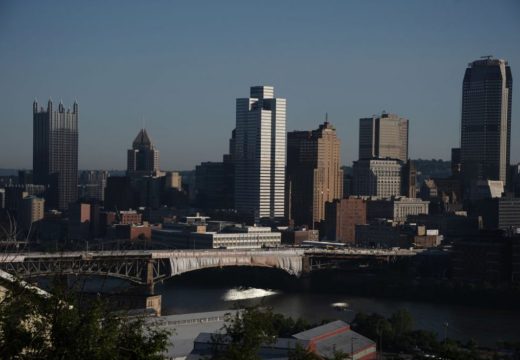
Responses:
[180,65]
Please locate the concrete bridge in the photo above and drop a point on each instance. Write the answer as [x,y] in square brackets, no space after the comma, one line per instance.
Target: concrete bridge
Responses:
[149,267]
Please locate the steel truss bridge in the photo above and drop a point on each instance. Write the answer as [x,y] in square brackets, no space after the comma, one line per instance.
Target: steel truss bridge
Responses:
[148,267]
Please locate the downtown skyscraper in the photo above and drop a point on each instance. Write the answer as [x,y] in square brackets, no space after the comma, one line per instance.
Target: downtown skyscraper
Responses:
[382,137]
[486,120]
[143,157]
[313,172]
[55,153]
[260,154]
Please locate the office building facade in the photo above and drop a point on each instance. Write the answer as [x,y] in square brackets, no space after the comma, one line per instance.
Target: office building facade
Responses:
[384,136]
[342,216]
[55,153]
[377,177]
[486,120]
[314,173]
[260,154]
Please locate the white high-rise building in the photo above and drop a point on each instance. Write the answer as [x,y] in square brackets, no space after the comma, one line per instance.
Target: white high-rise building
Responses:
[260,154]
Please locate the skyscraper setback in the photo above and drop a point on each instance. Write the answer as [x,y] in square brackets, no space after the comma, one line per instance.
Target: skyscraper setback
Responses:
[55,153]
[314,172]
[382,137]
[260,150]
[486,120]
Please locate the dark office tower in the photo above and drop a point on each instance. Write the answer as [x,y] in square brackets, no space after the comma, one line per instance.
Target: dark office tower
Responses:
[314,173]
[486,120]
[382,137]
[409,179]
[25,177]
[55,153]
[143,157]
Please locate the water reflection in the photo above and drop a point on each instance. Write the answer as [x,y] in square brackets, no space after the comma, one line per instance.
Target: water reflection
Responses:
[237,294]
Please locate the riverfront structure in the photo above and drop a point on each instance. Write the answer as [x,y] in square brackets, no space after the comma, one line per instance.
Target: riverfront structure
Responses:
[486,120]
[55,153]
[314,173]
[260,150]
[382,137]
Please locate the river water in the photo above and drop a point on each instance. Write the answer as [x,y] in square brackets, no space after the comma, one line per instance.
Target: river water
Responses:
[485,325]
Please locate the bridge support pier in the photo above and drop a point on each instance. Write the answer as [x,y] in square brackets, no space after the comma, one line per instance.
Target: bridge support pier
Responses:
[150,285]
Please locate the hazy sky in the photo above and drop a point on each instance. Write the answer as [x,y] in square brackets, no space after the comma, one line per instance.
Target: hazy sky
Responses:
[179,65]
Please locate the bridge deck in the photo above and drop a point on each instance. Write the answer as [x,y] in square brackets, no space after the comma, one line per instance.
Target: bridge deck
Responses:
[164,254]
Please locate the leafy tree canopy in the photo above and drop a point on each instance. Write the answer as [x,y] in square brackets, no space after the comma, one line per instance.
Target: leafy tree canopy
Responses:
[64,326]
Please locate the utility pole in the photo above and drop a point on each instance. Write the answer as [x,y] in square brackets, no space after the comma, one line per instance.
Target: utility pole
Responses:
[446,331]
[352,347]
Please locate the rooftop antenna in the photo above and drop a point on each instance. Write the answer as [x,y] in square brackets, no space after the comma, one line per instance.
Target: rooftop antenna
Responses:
[487,57]
[326,117]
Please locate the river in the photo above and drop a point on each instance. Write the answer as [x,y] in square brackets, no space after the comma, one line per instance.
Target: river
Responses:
[485,325]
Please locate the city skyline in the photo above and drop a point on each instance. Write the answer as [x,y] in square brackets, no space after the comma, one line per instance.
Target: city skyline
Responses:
[323,59]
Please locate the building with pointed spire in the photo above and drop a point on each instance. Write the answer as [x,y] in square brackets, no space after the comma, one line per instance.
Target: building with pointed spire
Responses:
[55,153]
[143,157]
[314,173]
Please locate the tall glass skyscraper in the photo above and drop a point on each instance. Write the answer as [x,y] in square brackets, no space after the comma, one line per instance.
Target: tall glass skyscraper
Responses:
[260,154]
[486,120]
[55,153]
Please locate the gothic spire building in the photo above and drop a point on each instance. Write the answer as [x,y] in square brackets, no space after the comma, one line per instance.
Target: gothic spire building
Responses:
[143,157]
[55,153]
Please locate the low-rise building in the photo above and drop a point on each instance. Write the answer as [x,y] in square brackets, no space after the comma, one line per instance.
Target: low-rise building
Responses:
[292,236]
[325,341]
[498,213]
[396,208]
[195,236]
[130,232]
[486,257]
[382,234]
[341,218]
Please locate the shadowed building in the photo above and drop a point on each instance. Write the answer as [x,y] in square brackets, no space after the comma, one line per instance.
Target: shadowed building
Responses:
[260,150]
[55,153]
[143,157]
[409,179]
[314,173]
[342,216]
[486,120]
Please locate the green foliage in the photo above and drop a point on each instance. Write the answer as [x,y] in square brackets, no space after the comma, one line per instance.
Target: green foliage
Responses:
[300,353]
[286,326]
[396,334]
[66,327]
[401,322]
[245,332]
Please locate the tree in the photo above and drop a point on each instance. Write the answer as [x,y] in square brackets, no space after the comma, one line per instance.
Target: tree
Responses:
[402,322]
[65,326]
[243,333]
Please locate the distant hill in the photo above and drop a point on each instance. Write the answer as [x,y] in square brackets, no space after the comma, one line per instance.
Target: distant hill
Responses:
[9,172]
[432,168]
